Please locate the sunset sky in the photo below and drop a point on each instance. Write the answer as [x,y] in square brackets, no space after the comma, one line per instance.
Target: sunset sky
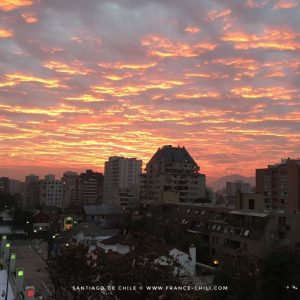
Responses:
[84,80]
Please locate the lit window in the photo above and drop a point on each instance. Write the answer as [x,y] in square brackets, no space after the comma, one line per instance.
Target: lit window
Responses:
[218,227]
[246,233]
[214,227]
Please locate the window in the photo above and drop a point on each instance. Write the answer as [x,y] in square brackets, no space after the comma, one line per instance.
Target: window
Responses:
[251,203]
[218,227]
[196,212]
[246,233]
[188,211]
[214,227]
[281,221]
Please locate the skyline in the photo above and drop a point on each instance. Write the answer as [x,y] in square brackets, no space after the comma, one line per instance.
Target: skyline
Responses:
[80,82]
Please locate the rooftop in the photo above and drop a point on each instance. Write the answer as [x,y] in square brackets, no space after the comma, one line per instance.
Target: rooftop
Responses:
[172,154]
[102,209]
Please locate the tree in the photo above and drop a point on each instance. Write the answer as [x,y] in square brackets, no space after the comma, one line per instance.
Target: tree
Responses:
[7,201]
[21,217]
[139,268]
[276,276]
[71,268]
[280,275]
[241,277]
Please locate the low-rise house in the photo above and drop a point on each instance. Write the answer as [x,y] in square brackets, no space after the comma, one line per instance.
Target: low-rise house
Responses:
[225,231]
[119,244]
[104,214]
[83,233]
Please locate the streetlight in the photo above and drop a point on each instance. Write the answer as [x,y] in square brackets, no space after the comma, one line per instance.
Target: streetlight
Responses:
[216,262]
[7,245]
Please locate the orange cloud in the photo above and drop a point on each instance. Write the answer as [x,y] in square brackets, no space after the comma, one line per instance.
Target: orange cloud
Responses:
[276,73]
[17,78]
[4,33]
[75,68]
[204,94]
[276,93]
[214,14]
[50,111]
[271,38]
[29,18]
[256,3]
[240,63]
[206,75]
[163,47]
[132,90]
[192,29]
[285,5]
[121,66]
[85,98]
[7,5]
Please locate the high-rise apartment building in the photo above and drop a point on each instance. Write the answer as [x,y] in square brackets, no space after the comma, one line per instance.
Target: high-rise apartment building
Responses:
[89,188]
[51,192]
[4,185]
[237,186]
[32,191]
[121,181]
[16,186]
[172,175]
[69,180]
[280,185]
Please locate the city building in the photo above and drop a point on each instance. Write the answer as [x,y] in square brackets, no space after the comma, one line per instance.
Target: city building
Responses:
[16,186]
[172,175]
[280,185]
[237,186]
[69,180]
[32,191]
[250,201]
[103,214]
[89,188]
[51,192]
[4,185]
[121,181]
[222,231]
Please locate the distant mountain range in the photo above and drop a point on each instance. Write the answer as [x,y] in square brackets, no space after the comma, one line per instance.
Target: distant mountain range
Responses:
[220,183]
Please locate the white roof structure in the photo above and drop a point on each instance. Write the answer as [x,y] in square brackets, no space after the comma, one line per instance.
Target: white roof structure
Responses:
[249,213]
[3,281]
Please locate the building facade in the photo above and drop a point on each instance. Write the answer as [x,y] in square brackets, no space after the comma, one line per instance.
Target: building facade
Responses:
[121,181]
[51,192]
[32,190]
[172,175]
[89,188]
[222,231]
[69,180]
[4,185]
[280,185]
[237,186]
